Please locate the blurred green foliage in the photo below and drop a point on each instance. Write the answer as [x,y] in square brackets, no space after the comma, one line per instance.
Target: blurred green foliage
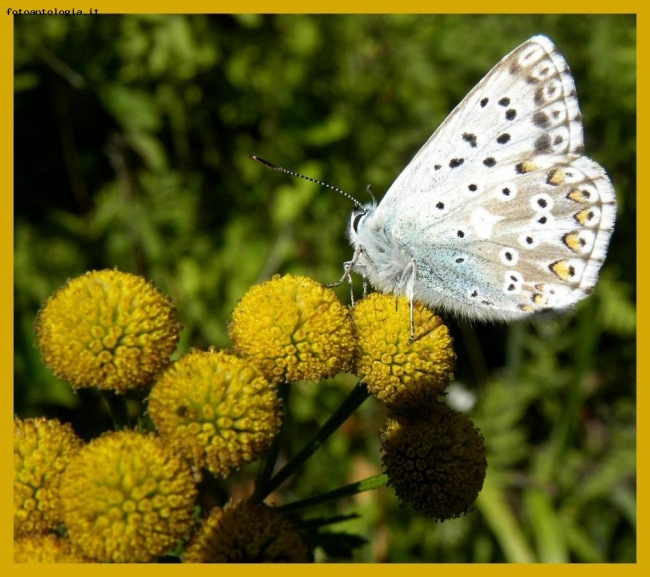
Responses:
[132,136]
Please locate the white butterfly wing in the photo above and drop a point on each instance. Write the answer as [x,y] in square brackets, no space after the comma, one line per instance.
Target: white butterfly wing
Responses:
[527,102]
[500,211]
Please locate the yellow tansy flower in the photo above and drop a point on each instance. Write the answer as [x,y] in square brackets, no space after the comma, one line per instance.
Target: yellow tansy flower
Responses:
[127,498]
[293,328]
[246,532]
[45,549]
[216,409]
[436,463]
[401,374]
[42,450]
[107,329]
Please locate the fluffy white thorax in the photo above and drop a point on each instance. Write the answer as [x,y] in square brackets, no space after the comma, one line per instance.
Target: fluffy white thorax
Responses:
[379,257]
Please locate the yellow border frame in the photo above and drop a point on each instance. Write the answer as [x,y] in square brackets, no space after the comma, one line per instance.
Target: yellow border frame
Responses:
[286,6]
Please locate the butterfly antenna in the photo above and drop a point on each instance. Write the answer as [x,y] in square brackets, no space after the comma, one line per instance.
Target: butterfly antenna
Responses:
[292,173]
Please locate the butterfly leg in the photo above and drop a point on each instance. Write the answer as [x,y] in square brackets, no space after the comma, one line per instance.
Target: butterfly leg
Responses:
[347,268]
[408,278]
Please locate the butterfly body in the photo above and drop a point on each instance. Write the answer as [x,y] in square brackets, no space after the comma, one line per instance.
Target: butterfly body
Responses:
[499,216]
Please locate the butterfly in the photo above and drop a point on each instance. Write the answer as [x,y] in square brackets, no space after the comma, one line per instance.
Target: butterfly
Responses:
[499,216]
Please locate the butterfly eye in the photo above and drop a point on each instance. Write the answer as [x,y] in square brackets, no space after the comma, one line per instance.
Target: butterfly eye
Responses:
[357,220]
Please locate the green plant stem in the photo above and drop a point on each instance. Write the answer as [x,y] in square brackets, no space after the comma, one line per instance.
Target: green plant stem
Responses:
[565,429]
[265,472]
[368,484]
[118,410]
[475,353]
[504,524]
[353,401]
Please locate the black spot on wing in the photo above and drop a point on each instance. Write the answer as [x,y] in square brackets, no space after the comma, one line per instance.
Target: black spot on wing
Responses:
[470,138]
[543,144]
[456,162]
[541,120]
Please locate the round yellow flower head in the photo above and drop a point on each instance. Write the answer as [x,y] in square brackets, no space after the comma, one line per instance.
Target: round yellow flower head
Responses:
[216,409]
[107,329]
[42,450]
[436,463]
[401,374]
[293,328]
[42,548]
[246,532]
[127,498]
